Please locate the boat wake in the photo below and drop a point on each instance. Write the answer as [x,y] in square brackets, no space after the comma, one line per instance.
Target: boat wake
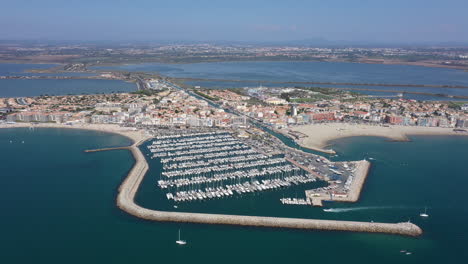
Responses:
[352,209]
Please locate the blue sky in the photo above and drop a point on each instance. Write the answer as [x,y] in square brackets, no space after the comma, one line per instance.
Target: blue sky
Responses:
[392,21]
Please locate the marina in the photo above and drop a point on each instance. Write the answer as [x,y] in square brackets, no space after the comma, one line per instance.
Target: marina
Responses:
[235,132]
[129,187]
[209,165]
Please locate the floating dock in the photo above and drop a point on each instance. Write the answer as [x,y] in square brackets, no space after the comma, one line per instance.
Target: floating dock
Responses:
[209,165]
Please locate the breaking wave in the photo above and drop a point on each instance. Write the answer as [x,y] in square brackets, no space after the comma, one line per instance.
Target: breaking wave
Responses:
[351,209]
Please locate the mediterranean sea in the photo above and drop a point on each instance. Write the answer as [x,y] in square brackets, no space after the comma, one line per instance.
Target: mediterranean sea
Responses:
[58,206]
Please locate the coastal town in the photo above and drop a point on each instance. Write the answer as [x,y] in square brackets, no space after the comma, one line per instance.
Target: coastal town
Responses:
[279,108]
[233,131]
[190,119]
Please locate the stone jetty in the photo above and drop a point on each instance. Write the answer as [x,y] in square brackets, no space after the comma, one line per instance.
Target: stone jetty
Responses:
[360,175]
[105,149]
[129,187]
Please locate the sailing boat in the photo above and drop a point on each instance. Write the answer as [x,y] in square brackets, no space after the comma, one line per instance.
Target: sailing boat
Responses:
[425,213]
[181,242]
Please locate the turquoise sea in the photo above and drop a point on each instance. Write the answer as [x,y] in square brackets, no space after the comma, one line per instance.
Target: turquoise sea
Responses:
[58,206]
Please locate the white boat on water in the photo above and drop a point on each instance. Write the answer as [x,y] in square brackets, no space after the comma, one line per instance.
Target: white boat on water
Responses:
[180,241]
[425,213]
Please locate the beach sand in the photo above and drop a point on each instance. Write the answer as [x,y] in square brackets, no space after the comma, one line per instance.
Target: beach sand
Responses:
[134,134]
[319,135]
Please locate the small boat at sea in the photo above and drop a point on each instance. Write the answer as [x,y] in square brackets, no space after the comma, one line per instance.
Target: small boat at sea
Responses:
[425,215]
[180,241]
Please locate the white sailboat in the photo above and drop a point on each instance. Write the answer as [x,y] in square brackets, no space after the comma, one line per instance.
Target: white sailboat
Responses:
[425,213]
[181,242]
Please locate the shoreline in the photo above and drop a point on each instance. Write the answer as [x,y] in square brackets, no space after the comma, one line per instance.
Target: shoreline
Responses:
[318,136]
[130,185]
[132,134]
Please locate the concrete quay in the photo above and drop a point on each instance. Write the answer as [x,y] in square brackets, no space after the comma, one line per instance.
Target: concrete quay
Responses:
[354,193]
[129,187]
[105,149]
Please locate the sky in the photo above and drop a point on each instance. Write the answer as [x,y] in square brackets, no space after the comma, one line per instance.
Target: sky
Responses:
[365,21]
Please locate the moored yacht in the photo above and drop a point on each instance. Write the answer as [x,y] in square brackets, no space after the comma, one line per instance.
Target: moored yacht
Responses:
[424,214]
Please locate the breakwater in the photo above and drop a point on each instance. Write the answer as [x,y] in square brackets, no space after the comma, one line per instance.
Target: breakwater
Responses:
[360,176]
[105,149]
[129,187]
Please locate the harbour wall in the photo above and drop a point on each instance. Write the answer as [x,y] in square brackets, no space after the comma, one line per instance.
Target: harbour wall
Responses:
[105,149]
[129,187]
[360,175]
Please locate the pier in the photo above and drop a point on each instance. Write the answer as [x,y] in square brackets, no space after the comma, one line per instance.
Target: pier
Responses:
[355,184]
[129,188]
[104,149]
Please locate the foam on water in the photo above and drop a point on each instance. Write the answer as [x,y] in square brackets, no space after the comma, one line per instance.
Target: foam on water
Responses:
[362,208]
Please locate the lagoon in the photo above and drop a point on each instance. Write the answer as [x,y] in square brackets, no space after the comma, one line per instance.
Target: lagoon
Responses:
[265,72]
[37,87]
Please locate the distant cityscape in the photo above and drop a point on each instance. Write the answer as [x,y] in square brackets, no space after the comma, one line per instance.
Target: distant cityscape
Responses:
[94,54]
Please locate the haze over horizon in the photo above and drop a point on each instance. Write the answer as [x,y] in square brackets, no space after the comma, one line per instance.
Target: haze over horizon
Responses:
[322,22]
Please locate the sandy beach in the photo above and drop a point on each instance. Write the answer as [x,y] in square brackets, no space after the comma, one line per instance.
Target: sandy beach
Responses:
[319,135]
[135,135]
